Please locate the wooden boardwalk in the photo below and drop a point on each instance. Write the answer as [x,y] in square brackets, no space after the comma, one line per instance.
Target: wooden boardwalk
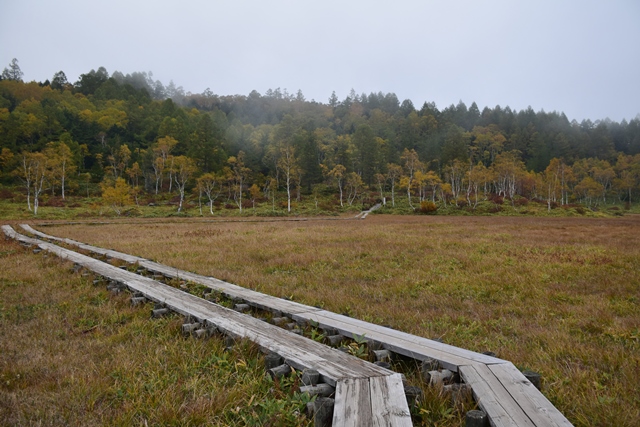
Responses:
[351,376]
[500,389]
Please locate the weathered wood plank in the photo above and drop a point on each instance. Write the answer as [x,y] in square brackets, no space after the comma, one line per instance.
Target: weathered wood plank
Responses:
[353,403]
[254,298]
[400,342]
[493,398]
[389,405]
[532,402]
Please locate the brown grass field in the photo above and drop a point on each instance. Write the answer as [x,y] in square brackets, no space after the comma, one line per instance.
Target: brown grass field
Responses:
[556,295]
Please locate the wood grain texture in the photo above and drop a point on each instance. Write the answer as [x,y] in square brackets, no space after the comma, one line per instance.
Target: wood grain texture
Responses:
[493,398]
[532,402]
[353,403]
[388,407]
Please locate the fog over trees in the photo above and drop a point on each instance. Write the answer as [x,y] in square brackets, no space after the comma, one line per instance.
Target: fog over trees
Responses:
[104,128]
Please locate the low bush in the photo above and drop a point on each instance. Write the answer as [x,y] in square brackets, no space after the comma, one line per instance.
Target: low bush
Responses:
[6,194]
[428,207]
[498,200]
[521,201]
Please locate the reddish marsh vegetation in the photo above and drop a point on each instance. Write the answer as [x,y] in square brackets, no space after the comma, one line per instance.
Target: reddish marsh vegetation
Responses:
[556,295]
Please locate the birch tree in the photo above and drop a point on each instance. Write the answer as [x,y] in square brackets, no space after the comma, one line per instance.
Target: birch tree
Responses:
[134,173]
[162,151]
[33,171]
[411,165]
[551,179]
[288,165]
[628,170]
[60,163]
[254,191]
[507,168]
[354,186]
[381,181]
[338,174]
[119,160]
[211,185]
[185,167]
[238,176]
[394,172]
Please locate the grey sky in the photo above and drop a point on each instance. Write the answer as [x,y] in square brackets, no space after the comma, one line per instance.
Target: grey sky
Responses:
[581,57]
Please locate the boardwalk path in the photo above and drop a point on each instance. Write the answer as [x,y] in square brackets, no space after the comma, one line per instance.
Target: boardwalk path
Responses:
[500,389]
[356,380]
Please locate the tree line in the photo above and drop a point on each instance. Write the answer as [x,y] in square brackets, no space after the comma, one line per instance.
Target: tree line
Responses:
[134,136]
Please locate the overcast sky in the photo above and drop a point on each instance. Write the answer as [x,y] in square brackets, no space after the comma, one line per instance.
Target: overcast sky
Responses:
[580,57]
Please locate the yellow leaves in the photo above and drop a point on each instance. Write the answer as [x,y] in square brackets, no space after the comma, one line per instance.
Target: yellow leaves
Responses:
[106,118]
[111,117]
[405,182]
[4,114]
[184,167]
[6,156]
[338,172]
[117,196]
[255,191]
[86,115]
[164,145]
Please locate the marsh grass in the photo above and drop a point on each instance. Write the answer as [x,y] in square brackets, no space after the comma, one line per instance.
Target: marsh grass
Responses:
[555,295]
[74,354]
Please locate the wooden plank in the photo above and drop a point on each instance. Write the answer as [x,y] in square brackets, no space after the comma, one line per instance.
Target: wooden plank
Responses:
[353,403]
[532,402]
[493,398]
[389,405]
[257,299]
[400,342]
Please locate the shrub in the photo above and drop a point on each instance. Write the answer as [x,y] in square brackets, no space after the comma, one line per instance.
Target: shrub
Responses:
[328,206]
[284,205]
[521,201]
[132,212]
[581,210]
[428,207]
[54,202]
[461,202]
[5,193]
[498,200]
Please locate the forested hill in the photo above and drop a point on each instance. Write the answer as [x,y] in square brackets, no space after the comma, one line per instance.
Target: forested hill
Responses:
[132,127]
